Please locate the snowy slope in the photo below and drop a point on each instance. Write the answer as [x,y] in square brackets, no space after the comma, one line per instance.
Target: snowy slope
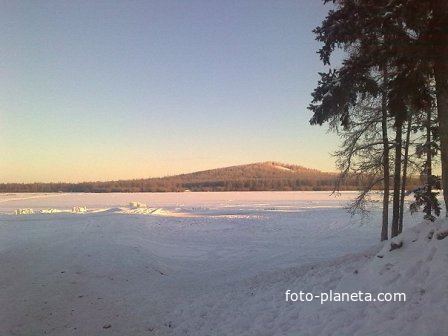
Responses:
[257,306]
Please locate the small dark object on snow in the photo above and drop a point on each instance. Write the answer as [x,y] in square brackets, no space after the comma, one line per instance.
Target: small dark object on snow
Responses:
[442,235]
[107,326]
[394,246]
[355,272]
[380,256]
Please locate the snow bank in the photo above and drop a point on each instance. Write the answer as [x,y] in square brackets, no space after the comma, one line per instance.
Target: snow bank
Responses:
[50,211]
[141,211]
[414,263]
[77,209]
[136,205]
[26,211]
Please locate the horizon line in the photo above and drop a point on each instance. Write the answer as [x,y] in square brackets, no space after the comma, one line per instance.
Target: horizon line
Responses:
[167,176]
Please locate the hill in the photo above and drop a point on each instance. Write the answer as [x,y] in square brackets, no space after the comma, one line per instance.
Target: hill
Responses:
[265,176]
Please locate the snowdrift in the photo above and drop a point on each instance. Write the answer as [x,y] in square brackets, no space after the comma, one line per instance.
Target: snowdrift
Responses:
[413,263]
[137,205]
[257,306]
[26,211]
[79,209]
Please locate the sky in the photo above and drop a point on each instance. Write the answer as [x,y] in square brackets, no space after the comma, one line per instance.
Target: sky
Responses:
[105,90]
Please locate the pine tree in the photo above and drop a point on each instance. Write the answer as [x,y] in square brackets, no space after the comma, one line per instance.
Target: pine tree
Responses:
[409,40]
[425,196]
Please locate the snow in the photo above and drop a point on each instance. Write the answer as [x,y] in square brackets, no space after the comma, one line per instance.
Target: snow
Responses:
[136,205]
[213,264]
[78,209]
[282,168]
[26,211]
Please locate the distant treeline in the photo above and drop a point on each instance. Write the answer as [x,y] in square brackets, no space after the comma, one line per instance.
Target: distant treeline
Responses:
[269,176]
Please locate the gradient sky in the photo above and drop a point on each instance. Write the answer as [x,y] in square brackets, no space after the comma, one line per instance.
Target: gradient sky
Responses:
[101,90]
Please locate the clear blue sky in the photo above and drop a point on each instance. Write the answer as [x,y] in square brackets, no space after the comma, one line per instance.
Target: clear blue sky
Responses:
[100,90]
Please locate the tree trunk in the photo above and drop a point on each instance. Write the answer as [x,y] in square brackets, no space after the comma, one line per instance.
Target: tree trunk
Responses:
[405,171]
[442,110]
[440,52]
[428,168]
[397,181]
[386,173]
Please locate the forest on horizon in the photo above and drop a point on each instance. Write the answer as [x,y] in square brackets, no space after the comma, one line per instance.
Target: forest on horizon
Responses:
[266,176]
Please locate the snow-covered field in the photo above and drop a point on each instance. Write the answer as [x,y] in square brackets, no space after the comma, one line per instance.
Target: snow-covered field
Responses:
[212,264]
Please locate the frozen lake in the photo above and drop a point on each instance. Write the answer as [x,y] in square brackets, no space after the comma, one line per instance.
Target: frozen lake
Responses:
[66,273]
[214,200]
